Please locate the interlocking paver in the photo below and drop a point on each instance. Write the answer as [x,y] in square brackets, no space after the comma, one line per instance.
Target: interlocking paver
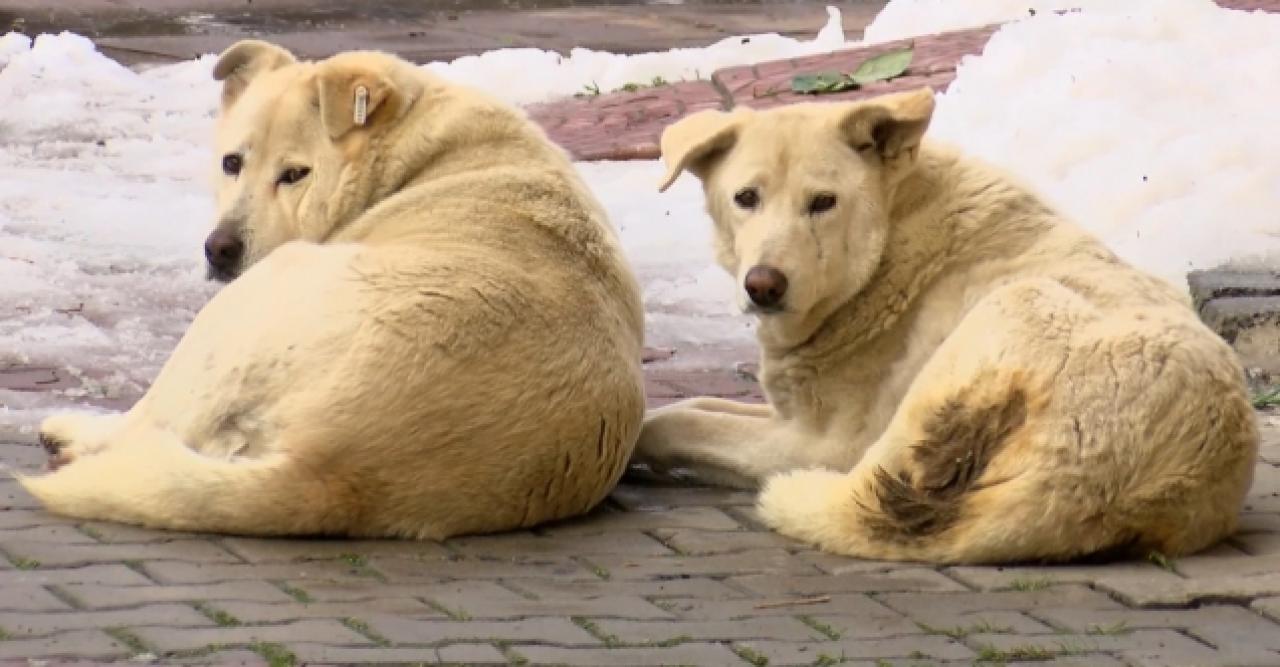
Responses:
[264,612]
[708,655]
[522,545]
[96,596]
[905,579]
[169,639]
[910,646]
[107,574]
[71,555]
[547,630]
[652,632]
[74,644]
[30,597]
[44,624]
[271,551]
[184,572]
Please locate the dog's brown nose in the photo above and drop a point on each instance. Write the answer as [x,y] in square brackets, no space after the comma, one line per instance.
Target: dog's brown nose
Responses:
[765,285]
[224,250]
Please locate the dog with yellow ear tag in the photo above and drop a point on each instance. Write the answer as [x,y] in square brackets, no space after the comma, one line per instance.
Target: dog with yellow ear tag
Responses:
[955,373]
[428,327]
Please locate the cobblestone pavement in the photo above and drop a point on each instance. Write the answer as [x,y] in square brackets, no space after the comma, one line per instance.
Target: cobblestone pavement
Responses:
[657,575]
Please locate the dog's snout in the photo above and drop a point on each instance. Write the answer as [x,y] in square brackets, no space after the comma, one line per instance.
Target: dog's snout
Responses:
[765,285]
[224,249]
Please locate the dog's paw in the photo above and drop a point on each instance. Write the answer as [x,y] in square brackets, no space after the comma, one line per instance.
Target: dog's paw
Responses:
[801,503]
[69,436]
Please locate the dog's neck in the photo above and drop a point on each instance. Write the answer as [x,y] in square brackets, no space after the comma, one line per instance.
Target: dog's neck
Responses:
[946,213]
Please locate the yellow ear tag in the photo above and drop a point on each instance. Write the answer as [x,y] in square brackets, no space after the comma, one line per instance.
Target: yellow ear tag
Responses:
[362,105]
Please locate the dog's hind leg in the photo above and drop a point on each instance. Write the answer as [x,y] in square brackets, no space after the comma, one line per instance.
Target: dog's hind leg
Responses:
[156,481]
[69,436]
[722,442]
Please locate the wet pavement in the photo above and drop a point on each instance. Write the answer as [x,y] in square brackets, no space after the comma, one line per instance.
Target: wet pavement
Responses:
[158,31]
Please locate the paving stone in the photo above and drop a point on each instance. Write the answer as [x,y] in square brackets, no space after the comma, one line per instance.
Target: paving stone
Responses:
[906,579]
[492,603]
[43,624]
[1142,642]
[29,597]
[833,564]
[1066,595]
[408,571]
[1015,578]
[95,596]
[1227,560]
[241,658]
[56,534]
[604,522]
[1269,607]
[74,644]
[775,561]
[699,587]
[276,550]
[12,518]
[707,655]
[910,646]
[715,542]
[1187,591]
[651,632]
[13,496]
[181,572]
[259,612]
[106,531]
[1219,625]
[118,575]
[71,555]
[169,639]
[523,545]
[951,623]
[344,655]
[471,654]
[840,604]
[558,631]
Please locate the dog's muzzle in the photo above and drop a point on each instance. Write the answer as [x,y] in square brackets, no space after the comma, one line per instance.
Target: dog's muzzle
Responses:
[224,251]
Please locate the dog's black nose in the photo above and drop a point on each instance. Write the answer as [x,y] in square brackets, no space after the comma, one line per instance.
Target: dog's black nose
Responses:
[765,285]
[224,250]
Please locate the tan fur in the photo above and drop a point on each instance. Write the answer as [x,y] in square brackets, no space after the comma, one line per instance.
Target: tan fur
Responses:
[438,333]
[956,374]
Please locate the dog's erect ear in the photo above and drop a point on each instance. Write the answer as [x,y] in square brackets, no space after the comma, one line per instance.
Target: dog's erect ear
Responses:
[694,141]
[890,125]
[243,61]
[359,90]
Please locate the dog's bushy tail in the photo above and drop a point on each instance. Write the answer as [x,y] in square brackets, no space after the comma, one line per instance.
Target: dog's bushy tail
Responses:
[961,493]
[157,482]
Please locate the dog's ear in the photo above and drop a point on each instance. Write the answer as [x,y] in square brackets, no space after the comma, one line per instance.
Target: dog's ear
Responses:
[890,125]
[243,61]
[360,91]
[695,141]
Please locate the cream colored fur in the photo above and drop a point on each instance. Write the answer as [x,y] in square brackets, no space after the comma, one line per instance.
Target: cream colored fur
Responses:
[956,373]
[437,333]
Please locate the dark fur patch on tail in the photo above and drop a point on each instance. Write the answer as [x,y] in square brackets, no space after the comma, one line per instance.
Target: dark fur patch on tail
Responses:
[960,440]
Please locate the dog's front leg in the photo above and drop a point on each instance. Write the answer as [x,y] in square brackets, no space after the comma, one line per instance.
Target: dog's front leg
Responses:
[724,443]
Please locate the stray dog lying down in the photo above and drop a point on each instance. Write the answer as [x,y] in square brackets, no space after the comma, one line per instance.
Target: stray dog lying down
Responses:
[430,328]
[955,374]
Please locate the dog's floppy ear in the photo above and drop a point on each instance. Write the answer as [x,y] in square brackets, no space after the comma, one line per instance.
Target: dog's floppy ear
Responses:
[361,90]
[891,125]
[692,142]
[243,61]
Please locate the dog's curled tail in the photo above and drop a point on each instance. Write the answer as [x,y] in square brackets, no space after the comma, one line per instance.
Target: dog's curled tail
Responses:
[956,495]
[157,482]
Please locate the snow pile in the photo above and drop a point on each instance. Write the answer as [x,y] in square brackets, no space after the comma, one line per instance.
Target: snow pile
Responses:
[1148,124]
[907,18]
[525,76]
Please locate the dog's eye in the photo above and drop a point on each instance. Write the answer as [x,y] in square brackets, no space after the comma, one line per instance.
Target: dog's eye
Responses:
[232,164]
[822,203]
[747,198]
[293,175]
